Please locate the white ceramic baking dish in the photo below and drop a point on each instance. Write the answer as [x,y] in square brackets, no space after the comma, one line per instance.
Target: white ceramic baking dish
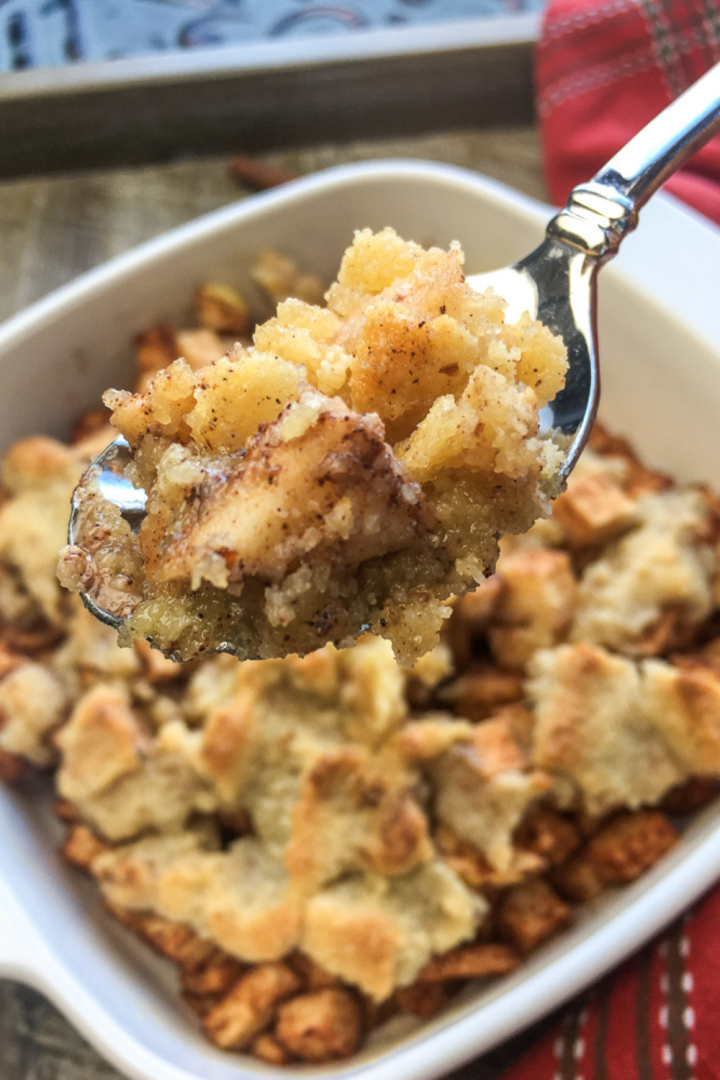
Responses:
[660,349]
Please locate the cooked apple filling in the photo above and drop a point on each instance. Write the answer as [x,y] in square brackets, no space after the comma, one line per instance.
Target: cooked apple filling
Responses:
[353,468]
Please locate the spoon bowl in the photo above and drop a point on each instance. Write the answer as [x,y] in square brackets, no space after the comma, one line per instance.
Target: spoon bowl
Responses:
[556,285]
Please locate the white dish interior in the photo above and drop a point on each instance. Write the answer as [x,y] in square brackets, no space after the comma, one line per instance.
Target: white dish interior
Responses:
[660,358]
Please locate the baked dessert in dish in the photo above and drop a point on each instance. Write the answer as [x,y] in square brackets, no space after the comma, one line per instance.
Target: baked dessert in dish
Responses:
[350,470]
[322,844]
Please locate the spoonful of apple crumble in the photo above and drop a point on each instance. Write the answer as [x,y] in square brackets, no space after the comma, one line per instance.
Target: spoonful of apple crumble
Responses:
[355,466]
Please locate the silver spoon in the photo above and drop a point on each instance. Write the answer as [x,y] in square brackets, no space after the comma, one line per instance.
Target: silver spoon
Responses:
[556,283]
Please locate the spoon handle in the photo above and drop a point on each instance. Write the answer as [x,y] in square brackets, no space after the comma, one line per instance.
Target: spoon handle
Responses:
[663,145]
[600,213]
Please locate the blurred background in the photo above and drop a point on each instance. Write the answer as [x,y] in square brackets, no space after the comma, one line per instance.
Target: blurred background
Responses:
[122,118]
[101,82]
[49,32]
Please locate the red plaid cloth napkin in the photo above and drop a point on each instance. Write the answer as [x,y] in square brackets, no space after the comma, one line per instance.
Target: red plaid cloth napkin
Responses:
[604,68]
[656,1018]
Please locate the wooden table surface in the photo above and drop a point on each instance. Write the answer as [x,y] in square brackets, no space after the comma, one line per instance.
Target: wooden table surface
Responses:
[54,229]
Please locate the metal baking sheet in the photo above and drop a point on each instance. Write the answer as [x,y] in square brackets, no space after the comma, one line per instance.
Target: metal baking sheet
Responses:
[92,83]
